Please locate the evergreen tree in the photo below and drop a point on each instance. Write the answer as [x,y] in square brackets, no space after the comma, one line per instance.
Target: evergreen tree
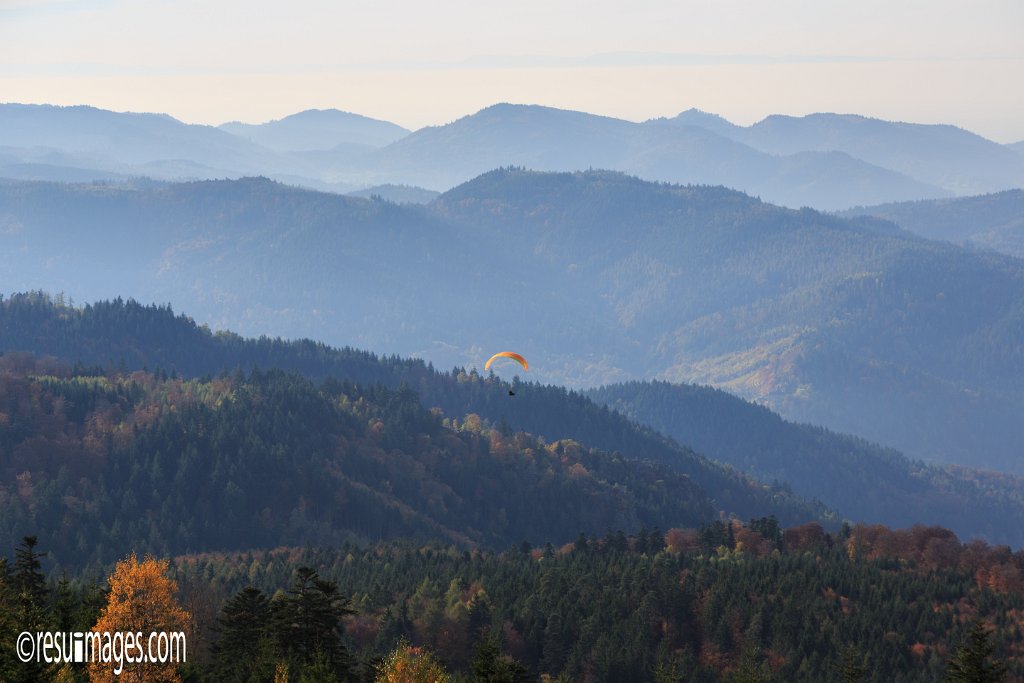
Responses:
[8,624]
[491,666]
[307,620]
[65,608]
[244,635]
[28,578]
[970,662]
[852,666]
[751,669]
[30,614]
[319,669]
[479,613]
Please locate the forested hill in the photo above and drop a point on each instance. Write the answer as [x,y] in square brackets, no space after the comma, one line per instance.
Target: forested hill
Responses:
[853,477]
[866,482]
[175,350]
[103,464]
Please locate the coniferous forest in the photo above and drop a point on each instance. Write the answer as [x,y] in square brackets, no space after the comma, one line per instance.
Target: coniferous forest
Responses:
[722,602]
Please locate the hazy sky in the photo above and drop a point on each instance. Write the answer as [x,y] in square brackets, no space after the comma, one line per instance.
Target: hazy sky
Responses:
[420,63]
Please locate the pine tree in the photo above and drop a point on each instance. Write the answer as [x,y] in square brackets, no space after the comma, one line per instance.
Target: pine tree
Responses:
[751,668]
[852,667]
[28,578]
[970,662]
[491,666]
[66,606]
[244,627]
[30,614]
[308,620]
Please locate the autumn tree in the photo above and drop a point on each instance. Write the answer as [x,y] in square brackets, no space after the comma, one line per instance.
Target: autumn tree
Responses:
[141,600]
[406,664]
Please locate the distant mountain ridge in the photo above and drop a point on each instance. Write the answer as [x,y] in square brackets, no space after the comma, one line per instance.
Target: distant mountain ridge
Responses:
[944,156]
[826,161]
[114,145]
[547,139]
[124,138]
[399,194]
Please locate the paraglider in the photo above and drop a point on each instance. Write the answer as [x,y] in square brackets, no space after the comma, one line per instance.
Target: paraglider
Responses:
[507,354]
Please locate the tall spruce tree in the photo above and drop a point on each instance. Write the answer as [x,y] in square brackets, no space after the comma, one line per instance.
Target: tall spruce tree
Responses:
[490,665]
[244,625]
[852,667]
[28,578]
[307,621]
[970,662]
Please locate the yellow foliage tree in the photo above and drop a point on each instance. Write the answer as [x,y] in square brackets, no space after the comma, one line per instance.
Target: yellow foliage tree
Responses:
[408,664]
[141,600]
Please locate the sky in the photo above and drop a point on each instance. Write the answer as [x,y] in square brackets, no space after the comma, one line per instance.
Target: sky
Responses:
[426,63]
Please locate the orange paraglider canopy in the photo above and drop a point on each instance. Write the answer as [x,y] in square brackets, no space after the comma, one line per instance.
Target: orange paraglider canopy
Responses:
[507,354]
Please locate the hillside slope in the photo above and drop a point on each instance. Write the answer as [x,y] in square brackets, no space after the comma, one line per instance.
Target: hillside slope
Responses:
[992,221]
[868,483]
[106,464]
[827,321]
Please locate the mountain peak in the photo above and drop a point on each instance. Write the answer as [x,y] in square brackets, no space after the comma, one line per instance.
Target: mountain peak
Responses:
[318,129]
[696,116]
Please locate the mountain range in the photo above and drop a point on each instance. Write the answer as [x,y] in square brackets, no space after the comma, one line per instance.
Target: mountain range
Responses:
[597,277]
[826,161]
[941,155]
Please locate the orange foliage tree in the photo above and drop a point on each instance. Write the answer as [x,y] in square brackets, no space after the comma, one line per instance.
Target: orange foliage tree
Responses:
[141,600]
[408,664]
